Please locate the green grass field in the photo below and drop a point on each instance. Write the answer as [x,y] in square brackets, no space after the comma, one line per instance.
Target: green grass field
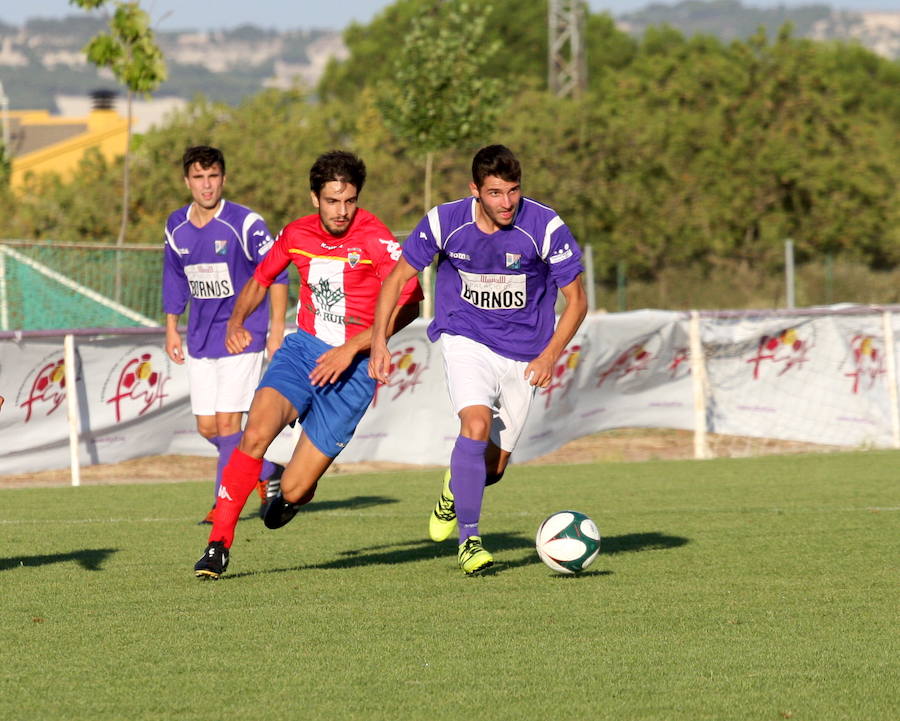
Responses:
[766,588]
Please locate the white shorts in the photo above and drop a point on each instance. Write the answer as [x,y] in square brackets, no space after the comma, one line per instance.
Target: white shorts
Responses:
[476,376]
[223,385]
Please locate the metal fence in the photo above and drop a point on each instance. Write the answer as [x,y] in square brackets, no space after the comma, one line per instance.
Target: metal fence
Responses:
[49,285]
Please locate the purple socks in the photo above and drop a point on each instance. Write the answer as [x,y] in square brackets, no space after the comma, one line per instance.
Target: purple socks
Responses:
[226,446]
[467,477]
[268,468]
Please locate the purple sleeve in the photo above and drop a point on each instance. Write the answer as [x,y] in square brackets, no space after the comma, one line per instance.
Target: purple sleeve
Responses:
[564,257]
[420,247]
[261,241]
[175,290]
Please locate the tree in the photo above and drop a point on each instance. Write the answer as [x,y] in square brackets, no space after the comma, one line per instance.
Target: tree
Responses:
[441,96]
[130,51]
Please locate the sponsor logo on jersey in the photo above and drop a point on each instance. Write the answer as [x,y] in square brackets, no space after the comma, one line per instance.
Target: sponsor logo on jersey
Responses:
[209,280]
[493,292]
[354,255]
[221,247]
[513,261]
[561,254]
[459,256]
[333,317]
[326,296]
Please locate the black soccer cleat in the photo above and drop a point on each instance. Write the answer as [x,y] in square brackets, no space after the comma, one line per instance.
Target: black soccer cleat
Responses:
[213,562]
[279,512]
[270,488]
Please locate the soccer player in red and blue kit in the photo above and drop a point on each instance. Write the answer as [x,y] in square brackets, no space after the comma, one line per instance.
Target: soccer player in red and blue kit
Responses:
[319,376]
[212,247]
[502,258]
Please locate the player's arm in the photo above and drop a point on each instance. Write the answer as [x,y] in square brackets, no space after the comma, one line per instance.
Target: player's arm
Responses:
[541,368]
[258,234]
[174,348]
[332,363]
[278,300]
[237,338]
[385,313]
[175,296]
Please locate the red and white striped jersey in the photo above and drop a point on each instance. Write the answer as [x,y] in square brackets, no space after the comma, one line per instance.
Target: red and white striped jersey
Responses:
[340,277]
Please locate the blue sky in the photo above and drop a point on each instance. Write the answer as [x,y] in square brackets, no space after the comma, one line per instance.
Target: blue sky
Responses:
[191,14]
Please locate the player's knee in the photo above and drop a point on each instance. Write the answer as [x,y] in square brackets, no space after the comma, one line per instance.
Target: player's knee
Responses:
[476,428]
[207,431]
[254,442]
[298,495]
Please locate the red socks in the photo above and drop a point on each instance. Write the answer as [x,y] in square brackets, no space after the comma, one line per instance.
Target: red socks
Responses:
[238,481]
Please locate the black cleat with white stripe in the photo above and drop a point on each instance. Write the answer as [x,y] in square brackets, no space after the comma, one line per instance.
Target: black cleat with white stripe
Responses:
[213,562]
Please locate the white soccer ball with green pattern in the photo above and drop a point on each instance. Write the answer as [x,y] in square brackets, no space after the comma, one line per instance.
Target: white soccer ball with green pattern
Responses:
[568,541]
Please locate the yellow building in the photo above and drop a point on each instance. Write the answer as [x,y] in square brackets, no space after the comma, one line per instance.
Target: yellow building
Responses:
[43,143]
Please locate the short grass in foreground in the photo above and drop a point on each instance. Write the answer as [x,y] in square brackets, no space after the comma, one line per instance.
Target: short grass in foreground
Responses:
[755,589]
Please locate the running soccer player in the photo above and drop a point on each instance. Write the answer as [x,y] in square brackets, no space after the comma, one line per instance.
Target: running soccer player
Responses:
[501,259]
[212,247]
[319,377]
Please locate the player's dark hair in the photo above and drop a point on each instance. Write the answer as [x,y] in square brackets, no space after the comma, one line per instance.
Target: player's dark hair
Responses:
[337,165]
[205,155]
[496,160]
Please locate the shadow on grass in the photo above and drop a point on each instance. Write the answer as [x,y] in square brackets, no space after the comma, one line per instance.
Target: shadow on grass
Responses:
[631,542]
[498,543]
[90,559]
[355,503]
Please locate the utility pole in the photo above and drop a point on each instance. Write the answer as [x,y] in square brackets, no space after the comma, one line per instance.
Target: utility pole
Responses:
[4,120]
[567,65]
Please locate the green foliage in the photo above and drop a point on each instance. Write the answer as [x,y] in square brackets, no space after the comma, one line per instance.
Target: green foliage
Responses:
[743,589]
[685,153]
[128,49]
[520,28]
[440,96]
[5,167]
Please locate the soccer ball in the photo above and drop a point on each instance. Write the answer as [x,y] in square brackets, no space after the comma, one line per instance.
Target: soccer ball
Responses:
[568,541]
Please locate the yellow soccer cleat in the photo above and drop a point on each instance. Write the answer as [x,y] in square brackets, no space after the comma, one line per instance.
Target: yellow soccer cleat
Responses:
[442,521]
[473,557]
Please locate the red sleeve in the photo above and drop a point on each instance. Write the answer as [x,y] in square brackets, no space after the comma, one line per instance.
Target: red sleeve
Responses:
[275,261]
[387,254]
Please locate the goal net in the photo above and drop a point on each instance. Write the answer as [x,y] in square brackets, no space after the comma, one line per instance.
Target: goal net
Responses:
[797,380]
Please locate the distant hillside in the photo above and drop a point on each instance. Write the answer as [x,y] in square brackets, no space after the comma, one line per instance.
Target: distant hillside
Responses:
[731,20]
[44,59]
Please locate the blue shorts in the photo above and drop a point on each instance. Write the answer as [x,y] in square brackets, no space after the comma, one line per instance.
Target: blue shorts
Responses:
[328,414]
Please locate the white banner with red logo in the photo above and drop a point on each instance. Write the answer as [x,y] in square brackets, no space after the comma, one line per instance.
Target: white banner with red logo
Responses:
[821,378]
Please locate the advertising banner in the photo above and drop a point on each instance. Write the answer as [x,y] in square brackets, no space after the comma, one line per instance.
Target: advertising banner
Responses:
[821,378]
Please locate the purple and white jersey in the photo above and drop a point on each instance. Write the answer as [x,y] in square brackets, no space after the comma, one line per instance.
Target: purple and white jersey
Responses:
[207,267]
[500,288]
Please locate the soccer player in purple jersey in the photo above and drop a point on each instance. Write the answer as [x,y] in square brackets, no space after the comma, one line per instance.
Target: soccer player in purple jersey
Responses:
[212,248]
[502,258]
